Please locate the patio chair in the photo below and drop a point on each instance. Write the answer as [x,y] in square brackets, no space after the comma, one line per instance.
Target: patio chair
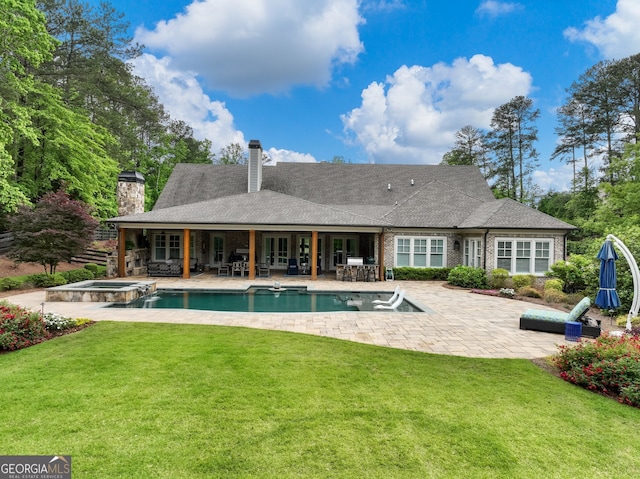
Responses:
[554,321]
[237,268]
[292,269]
[389,301]
[263,270]
[393,306]
[223,270]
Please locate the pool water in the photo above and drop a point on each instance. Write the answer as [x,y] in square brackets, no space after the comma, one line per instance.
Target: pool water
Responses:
[263,300]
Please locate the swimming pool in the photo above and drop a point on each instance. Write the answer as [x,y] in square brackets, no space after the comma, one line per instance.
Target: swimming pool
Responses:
[264,300]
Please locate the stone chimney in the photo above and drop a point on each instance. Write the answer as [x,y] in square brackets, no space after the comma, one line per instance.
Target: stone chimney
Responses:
[255,166]
[130,193]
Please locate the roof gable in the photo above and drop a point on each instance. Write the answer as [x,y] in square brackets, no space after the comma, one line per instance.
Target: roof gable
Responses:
[508,213]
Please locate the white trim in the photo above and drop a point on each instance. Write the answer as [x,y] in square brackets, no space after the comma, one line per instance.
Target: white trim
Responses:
[257,227]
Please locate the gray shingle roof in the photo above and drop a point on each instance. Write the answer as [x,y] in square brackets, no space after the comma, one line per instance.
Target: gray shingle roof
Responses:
[323,183]
[260,208]
[328,194]
[507,213]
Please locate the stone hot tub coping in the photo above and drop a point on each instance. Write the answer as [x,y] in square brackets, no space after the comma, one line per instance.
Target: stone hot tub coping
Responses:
[101,291]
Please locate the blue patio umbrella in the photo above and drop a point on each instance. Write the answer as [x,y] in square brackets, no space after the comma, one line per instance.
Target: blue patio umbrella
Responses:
[607,297]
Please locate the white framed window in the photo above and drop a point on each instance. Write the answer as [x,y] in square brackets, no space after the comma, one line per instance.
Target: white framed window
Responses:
[420,251]
[218,256]
[169,246]
[524,255]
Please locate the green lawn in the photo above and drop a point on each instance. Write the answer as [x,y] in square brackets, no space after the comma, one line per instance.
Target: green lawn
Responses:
[181,401]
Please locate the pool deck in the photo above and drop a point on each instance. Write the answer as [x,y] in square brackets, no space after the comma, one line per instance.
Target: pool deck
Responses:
[458,323]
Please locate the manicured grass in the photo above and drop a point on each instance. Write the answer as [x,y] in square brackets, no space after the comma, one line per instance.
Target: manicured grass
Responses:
[181,401]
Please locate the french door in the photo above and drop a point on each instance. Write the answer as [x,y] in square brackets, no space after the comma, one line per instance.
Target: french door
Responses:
[276,251]
[304,250]
[473,252]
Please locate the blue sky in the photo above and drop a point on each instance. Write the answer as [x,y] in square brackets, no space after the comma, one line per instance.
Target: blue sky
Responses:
[384,81]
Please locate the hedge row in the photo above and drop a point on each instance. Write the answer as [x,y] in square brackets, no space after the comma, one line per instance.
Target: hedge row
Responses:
[43,280]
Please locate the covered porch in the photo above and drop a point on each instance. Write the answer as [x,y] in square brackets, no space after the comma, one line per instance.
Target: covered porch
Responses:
[181,250]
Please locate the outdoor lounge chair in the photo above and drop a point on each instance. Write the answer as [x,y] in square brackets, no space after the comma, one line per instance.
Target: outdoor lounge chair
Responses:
[389,301]
[293,266]
[393,306]
[554,321]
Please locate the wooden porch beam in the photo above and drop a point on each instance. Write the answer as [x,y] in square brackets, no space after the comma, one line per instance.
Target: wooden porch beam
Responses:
[122,252]
[314,255]
[252,254]
[186,260]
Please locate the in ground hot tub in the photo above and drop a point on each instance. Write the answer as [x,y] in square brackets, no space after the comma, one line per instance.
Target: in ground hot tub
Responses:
[101,291]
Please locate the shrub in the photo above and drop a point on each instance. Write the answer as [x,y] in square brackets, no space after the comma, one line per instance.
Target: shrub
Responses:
[75,275]
[576,274]
[10,283]
[92,267]
[522,280]
[468,277]
[575,298]
[55,322]
[83,321]
[555,296]
[102,271]
[529,292]
[43,280]
[20,327]
[554,284]
[499,278]
[421,274]
[610,365]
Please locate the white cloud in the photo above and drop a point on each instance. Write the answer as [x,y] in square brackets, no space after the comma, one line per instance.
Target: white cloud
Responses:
[248,47]
[414,115]
[556,179]
[183,98]
[278,156]
[494,8]
[617,35]
[382,5]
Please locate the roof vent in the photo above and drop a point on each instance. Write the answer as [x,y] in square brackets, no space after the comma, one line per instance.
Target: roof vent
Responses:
[412,183]
[389,186]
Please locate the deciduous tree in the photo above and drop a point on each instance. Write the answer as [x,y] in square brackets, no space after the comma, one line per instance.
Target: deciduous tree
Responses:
[54,231]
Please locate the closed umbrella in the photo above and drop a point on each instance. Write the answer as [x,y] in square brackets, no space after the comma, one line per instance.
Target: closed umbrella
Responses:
[607,297]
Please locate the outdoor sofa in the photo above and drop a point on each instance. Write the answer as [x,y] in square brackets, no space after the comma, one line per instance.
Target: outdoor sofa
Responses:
[554,321]
[169,267]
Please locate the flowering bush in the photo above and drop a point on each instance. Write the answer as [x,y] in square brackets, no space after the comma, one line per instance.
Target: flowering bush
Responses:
[55,322]
[20,327]
[487,292]
[507,292]
[610,365]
